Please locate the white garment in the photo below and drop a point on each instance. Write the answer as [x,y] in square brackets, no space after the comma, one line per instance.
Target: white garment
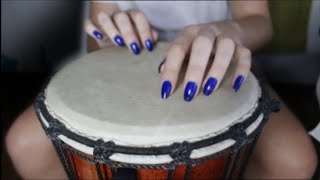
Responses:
[168,17]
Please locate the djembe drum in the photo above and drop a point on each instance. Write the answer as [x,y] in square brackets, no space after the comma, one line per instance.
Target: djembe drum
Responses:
[104,115]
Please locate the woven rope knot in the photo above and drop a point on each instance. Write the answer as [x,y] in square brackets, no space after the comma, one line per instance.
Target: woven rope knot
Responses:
[181,152]
[54,129]
[270,105]
[103,150]
[41,97]
[239,134]
[275,105]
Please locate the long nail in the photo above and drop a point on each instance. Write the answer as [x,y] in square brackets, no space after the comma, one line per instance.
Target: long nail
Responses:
[149,45]
[160,65]
[98,35]
[190,91]
[118,39]
[166,89]
[237,83]
[135,48]
[209,86]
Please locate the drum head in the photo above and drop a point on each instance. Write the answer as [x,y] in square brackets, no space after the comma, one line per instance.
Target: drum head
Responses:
[115,95]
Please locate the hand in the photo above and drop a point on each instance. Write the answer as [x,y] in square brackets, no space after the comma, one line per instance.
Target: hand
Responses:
[201,41]
[129,28]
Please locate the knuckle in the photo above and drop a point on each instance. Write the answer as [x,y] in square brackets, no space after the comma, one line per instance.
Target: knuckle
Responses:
[222,66]
[139,15]
[120,16]
[227,42]
[190,29]
[128,35]
[244,52]
[102,18]
[170,70]
[197,68]
[214,29]
[144,32]
[203,39]
[244,63]
[225,53]
[177,48]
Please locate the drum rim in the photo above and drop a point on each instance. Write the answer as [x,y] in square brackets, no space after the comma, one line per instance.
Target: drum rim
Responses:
[180,152]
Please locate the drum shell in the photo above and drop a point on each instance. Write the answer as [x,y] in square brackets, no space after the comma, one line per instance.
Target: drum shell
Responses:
[226,166]
[223,163]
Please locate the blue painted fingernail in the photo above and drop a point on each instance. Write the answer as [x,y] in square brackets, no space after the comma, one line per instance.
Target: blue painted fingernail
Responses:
[118,39]
[166,89]
[190,91]
[160,65]
[149,44]
[237,83]
[209,86]
[135,48]
[97,34]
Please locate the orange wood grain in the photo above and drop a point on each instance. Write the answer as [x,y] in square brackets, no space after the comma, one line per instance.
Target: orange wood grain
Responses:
[212,169]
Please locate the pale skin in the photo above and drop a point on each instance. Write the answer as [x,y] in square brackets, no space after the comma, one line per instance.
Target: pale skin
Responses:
[250,29]
[283,150]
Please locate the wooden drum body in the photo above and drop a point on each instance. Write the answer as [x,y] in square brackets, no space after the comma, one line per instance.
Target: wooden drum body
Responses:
[105,117]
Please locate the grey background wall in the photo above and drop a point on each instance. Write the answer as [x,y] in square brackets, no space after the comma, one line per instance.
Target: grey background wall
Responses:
[40,34]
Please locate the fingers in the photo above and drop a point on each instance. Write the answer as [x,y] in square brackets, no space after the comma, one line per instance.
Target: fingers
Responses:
[123,28]
[225,48]
[154,35]
[93,31]
[96,34]
[243,59]
[200,53]
[174,59]
[109,28]
[201,47]
[143,28]
[124,24]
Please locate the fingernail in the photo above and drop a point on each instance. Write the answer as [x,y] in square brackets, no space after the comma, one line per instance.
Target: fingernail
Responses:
[237,83]
[190,91]
[209,86]
[97,34]
[160,65]
[149,44]
[166,89]
[118,39]
[135,48]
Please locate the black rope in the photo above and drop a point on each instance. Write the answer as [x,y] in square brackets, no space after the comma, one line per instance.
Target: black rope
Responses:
[103,150]
[228,166]
[248,158]
[188,172]
[179,152]
[235,163]
[170,174]
[63,156]
[163,150]
[239,134]
[100,176]
[54,129]
[183,149]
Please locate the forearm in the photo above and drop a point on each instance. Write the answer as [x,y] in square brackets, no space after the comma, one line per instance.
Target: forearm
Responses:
[252,32]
